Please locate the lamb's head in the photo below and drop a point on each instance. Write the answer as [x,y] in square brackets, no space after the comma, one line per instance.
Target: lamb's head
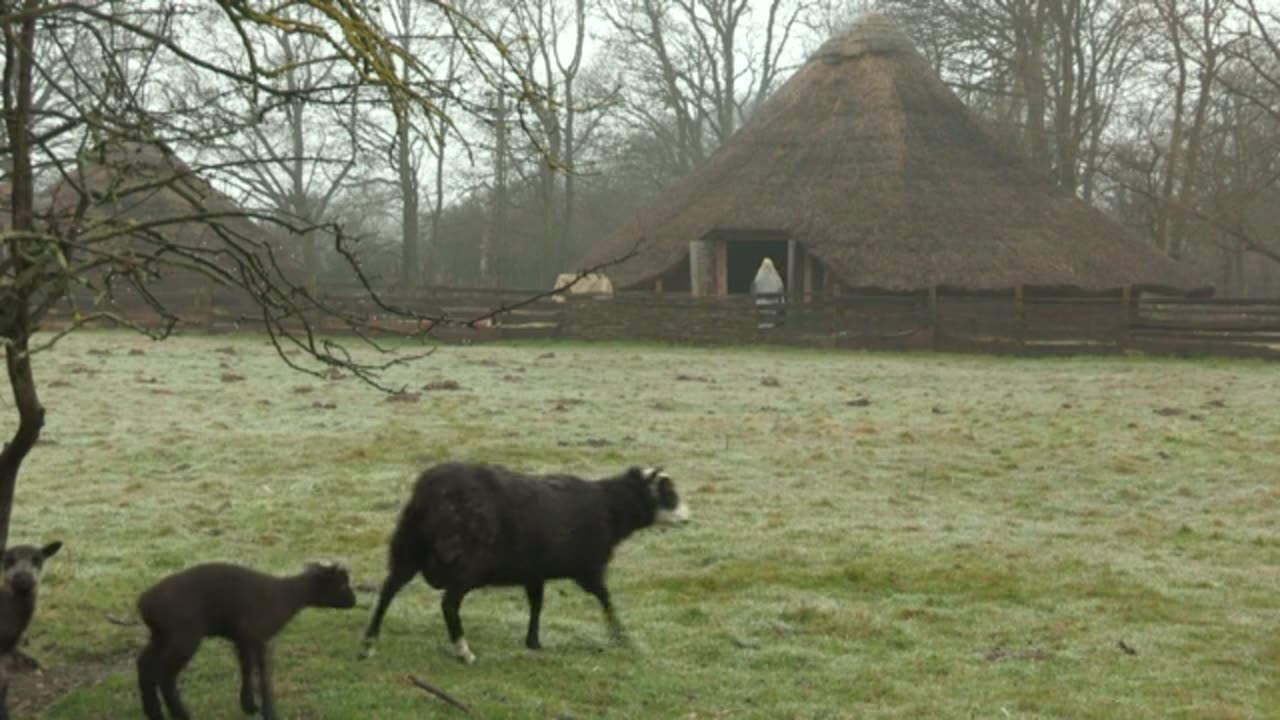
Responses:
[669,509]
[23,563]
[330,586]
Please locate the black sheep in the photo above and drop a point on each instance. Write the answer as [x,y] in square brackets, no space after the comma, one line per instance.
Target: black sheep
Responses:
[21,581]
[469,526]
[227,601]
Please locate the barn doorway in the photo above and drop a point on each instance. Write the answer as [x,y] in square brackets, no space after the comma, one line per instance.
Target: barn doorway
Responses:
[743,258]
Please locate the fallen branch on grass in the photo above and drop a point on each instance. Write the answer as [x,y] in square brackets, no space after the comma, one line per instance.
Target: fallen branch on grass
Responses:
[424,685]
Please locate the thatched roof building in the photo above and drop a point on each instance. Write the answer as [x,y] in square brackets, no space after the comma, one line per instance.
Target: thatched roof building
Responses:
[141,197]
[145,185]
[865,171]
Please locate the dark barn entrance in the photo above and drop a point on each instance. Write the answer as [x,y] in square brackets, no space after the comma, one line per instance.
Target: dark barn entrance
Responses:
[744,258]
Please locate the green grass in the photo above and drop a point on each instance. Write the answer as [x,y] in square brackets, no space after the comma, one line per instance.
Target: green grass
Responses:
[975,540]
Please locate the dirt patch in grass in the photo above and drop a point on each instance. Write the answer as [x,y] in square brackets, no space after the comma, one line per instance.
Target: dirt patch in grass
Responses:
[31,692]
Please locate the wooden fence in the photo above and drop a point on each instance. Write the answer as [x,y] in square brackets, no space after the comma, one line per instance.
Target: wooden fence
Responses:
[1027,321]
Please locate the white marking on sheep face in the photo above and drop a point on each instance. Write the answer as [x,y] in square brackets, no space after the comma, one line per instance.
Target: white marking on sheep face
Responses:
[671,509]
[463,651]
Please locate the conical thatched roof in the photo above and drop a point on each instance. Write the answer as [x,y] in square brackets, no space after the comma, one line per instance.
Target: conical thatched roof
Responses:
[144,184]
[140,196]
[866,158]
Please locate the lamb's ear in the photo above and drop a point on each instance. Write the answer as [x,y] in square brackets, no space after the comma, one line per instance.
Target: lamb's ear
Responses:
[51,549]
[649,473]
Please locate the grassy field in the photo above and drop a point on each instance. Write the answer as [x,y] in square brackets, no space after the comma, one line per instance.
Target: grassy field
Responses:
[874,536]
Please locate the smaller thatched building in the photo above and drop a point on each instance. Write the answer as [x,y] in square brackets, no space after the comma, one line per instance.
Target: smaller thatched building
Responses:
[146,187]
[142,206]
[864,170]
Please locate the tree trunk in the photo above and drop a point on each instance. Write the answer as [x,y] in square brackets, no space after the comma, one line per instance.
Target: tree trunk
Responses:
[15,307]
[567,247]
[1033,86]
[411,266]
[1066,15]
[436,272]
[1164,226]
[496,232]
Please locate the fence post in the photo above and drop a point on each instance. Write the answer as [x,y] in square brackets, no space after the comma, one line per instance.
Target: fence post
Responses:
[1129,300]
[792,256]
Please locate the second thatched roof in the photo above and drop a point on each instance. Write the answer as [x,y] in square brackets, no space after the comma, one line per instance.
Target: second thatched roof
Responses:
[877,168]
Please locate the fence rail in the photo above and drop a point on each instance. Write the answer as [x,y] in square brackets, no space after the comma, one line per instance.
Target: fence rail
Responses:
[1030,321]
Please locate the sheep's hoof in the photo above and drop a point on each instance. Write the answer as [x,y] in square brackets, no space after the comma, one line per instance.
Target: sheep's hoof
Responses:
[533,644]
[463,652]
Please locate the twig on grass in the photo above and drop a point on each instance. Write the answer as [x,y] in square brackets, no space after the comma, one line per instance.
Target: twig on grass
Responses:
[424,685]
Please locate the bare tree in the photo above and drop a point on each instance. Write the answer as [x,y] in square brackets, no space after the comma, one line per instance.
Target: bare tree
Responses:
[561,125]
[696,68]
[126,215]
[303,147]
[1259,48]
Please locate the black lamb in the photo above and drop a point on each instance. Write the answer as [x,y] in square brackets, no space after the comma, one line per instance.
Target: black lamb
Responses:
[21,582]
[227,601]
[469,526]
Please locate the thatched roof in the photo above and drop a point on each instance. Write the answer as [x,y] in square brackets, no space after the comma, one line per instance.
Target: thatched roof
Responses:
[131,183]
[877,168]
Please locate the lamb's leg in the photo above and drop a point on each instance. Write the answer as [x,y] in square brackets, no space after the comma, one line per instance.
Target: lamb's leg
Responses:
[594,584]
[261,656]
[533,591]
[244,653]
[396,579]
[175,657]
[4,699]
[149,680]
[452,604]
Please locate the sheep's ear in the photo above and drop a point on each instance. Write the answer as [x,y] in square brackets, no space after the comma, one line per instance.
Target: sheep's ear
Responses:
[649,473]
[51,549]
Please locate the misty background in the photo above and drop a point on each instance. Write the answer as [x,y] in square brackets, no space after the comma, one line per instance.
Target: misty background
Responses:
[1163,113]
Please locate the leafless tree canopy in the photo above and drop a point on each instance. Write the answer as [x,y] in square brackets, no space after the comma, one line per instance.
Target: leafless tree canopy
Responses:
[157,144]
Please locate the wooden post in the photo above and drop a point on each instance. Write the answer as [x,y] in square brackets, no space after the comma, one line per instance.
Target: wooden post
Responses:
[722,268]
[1129,301]
[808,277]
[792,252]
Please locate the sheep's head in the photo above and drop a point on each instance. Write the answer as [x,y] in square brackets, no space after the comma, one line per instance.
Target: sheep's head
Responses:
[669,508]
[23,563]
[331,586]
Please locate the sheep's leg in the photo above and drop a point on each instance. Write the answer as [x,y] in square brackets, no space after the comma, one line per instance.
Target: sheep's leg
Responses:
[174,659]
[594,584]
[149,680]
[261,657]
[533,591]
[452,605]
[244,653]
[396,579]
